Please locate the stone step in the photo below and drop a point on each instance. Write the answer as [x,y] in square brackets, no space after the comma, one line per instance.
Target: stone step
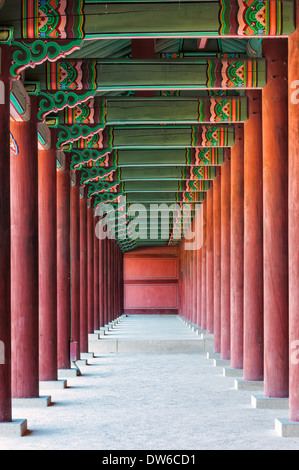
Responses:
[155,346]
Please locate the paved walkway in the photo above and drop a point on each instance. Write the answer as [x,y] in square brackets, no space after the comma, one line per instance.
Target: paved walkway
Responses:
[150,402]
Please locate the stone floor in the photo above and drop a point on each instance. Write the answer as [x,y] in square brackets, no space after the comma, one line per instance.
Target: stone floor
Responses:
[150,402]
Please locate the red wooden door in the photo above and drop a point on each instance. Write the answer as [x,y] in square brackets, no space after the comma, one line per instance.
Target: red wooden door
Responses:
[151,281]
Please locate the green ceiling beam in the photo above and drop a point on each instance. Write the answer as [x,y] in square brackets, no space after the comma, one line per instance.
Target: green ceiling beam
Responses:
[160,74]
[154,197]
[151,137]
[129,19]
[89,158]
[167,173]
[124,111]
[164,186]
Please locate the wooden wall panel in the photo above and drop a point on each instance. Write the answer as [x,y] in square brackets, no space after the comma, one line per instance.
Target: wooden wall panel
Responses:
[151,281]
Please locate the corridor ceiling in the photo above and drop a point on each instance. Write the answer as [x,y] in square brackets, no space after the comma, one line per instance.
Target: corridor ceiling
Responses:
[144,95]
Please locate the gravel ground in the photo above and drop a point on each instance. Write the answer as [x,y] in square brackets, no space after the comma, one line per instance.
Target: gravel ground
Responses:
[150,402]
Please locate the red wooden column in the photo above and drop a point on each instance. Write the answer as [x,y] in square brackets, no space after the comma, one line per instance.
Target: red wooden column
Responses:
[105,280]
[188,287]
[184,273]
[120,288]
[47,223]
[24,257]
[237,248]
[75,257]
[5,305]
[253,366]
[191,287]
[217,261]
[90,267]
[293,219]
[194,282]
[109,257]
[275,216]
[198,283]
[112,279]
[96,277]
[204,269]
[115,293]
[121,282]
[181,291]
[225,256]
[210,263]
[63,264]
[116,281]
[83,272]
[101,283]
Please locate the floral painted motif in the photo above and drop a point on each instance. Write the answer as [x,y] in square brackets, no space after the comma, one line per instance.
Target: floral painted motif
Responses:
[52,19]
[13,145]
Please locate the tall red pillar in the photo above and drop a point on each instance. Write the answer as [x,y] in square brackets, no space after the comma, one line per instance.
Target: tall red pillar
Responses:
[217,262]
[225,256]
[63,264]
[181,289]
[112,279]
[105,280]
[253,364]
[121,282]
[109,280]
[90,268]
[237,247]
[204,270]
[194,283]
[184,254]
[293,65]
[191,287]
[275,216]
[198,285]
[101,283]
[187,291]
[96,277]
[83,272]
[210,263]
[75,257]
[47,223]
[24,257]
[5,302]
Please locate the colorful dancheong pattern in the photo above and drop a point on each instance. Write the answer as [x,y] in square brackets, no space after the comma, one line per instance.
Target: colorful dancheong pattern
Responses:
[52,19]
[209,136]
[231,73]
[71,75]
[218,109]
[92,111]
[250,17]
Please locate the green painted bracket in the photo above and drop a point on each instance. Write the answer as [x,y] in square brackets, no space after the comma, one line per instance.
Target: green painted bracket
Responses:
[54,102]
[81,158]
[32,53]
[73,133]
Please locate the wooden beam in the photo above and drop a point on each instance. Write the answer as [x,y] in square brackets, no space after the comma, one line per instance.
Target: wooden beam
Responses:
[162,110]
[140,19]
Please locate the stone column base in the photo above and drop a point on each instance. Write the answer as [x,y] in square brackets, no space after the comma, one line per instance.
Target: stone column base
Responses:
[17,428]
[286,428]
[39,402]
[262,402]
